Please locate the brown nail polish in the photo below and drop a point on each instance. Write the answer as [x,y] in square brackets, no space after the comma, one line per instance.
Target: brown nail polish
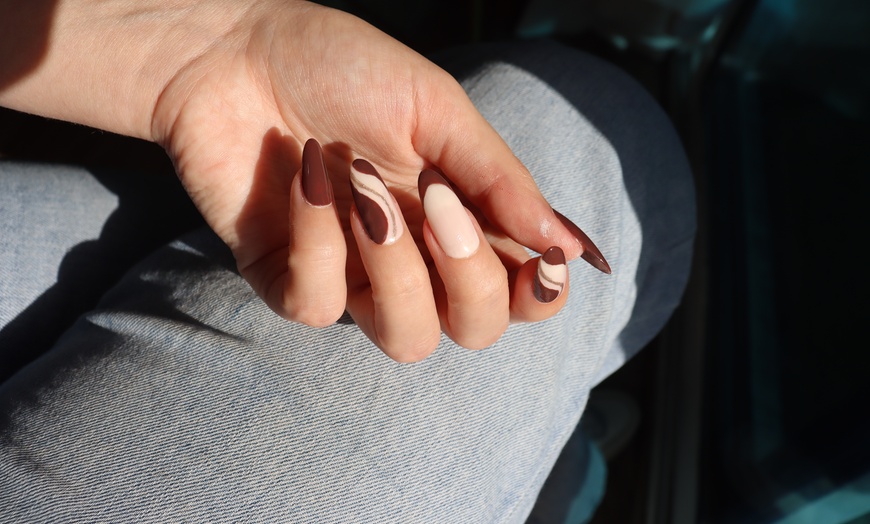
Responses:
[551,276]
[591,253]
[315,182]
[377,209]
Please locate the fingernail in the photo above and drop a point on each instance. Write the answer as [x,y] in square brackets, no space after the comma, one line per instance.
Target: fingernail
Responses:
[551,276]
[447,217]
[315,183]
[591,253]
[377,209]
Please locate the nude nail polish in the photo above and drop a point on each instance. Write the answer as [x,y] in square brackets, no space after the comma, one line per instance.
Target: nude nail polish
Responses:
[591,253]
[551,276]
[378,210]
[450,224]
[315,182]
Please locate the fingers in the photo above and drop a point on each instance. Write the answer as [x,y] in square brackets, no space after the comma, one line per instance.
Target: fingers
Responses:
[468,298]
[472,290]
[471,285]
[463,144]
[401,306]
[315,290]
[396,309]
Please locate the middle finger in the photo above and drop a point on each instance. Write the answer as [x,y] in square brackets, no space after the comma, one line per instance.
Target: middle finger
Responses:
[397,310]
[472,291]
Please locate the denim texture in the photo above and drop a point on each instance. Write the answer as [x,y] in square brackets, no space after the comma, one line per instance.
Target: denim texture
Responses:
[181,397]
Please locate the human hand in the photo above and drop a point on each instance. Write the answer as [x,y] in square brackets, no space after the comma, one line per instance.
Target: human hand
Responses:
[233,89]
[234,120]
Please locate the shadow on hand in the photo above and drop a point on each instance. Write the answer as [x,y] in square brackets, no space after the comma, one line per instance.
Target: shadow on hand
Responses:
[265,215]
[25,27]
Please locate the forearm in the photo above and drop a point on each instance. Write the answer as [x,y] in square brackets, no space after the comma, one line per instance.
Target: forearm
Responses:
[103,63]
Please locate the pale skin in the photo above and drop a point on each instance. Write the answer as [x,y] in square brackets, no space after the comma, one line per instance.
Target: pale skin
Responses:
[233,90]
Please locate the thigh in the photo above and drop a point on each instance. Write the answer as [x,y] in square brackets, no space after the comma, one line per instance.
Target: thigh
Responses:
[182,397]
[51,217]
[69,234]
[605,155]
[45,211]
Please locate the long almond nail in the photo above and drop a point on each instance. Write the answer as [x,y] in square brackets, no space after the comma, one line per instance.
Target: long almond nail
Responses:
[377,209]
[591,253]
[551,276]
[315,182]
[447,217]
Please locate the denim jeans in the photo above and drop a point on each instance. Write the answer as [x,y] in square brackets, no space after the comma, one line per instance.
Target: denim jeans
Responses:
[180,396]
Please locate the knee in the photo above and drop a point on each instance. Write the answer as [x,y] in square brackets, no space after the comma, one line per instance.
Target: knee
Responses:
[655,171]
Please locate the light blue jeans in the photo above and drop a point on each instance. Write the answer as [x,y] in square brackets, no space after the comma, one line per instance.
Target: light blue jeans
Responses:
[179,397]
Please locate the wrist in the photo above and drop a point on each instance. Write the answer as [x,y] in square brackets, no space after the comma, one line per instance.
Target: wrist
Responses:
[106,64]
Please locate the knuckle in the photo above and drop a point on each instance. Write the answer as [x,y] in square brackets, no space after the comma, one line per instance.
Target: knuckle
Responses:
[488,293]
[408,284]
[316,256]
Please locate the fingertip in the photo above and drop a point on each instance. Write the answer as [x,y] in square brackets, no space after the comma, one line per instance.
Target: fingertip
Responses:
[540,287]
[397,309]
[316,305]
[313,312]
[314,290]
[478,342]
[472,291]
[412,351]
[586,249]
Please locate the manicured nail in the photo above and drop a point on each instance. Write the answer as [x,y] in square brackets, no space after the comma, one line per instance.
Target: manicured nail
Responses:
[591,253]
[447,217]
[551,276]
[315,182]
[377,209]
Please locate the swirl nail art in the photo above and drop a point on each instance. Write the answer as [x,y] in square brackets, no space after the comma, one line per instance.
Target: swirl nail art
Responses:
[377,209]
[551,276]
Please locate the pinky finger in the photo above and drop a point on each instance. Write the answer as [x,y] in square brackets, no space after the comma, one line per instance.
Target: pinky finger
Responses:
[540,287]
[315,292]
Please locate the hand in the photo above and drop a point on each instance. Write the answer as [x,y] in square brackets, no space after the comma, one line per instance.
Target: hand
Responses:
[233,90]
[234,121]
